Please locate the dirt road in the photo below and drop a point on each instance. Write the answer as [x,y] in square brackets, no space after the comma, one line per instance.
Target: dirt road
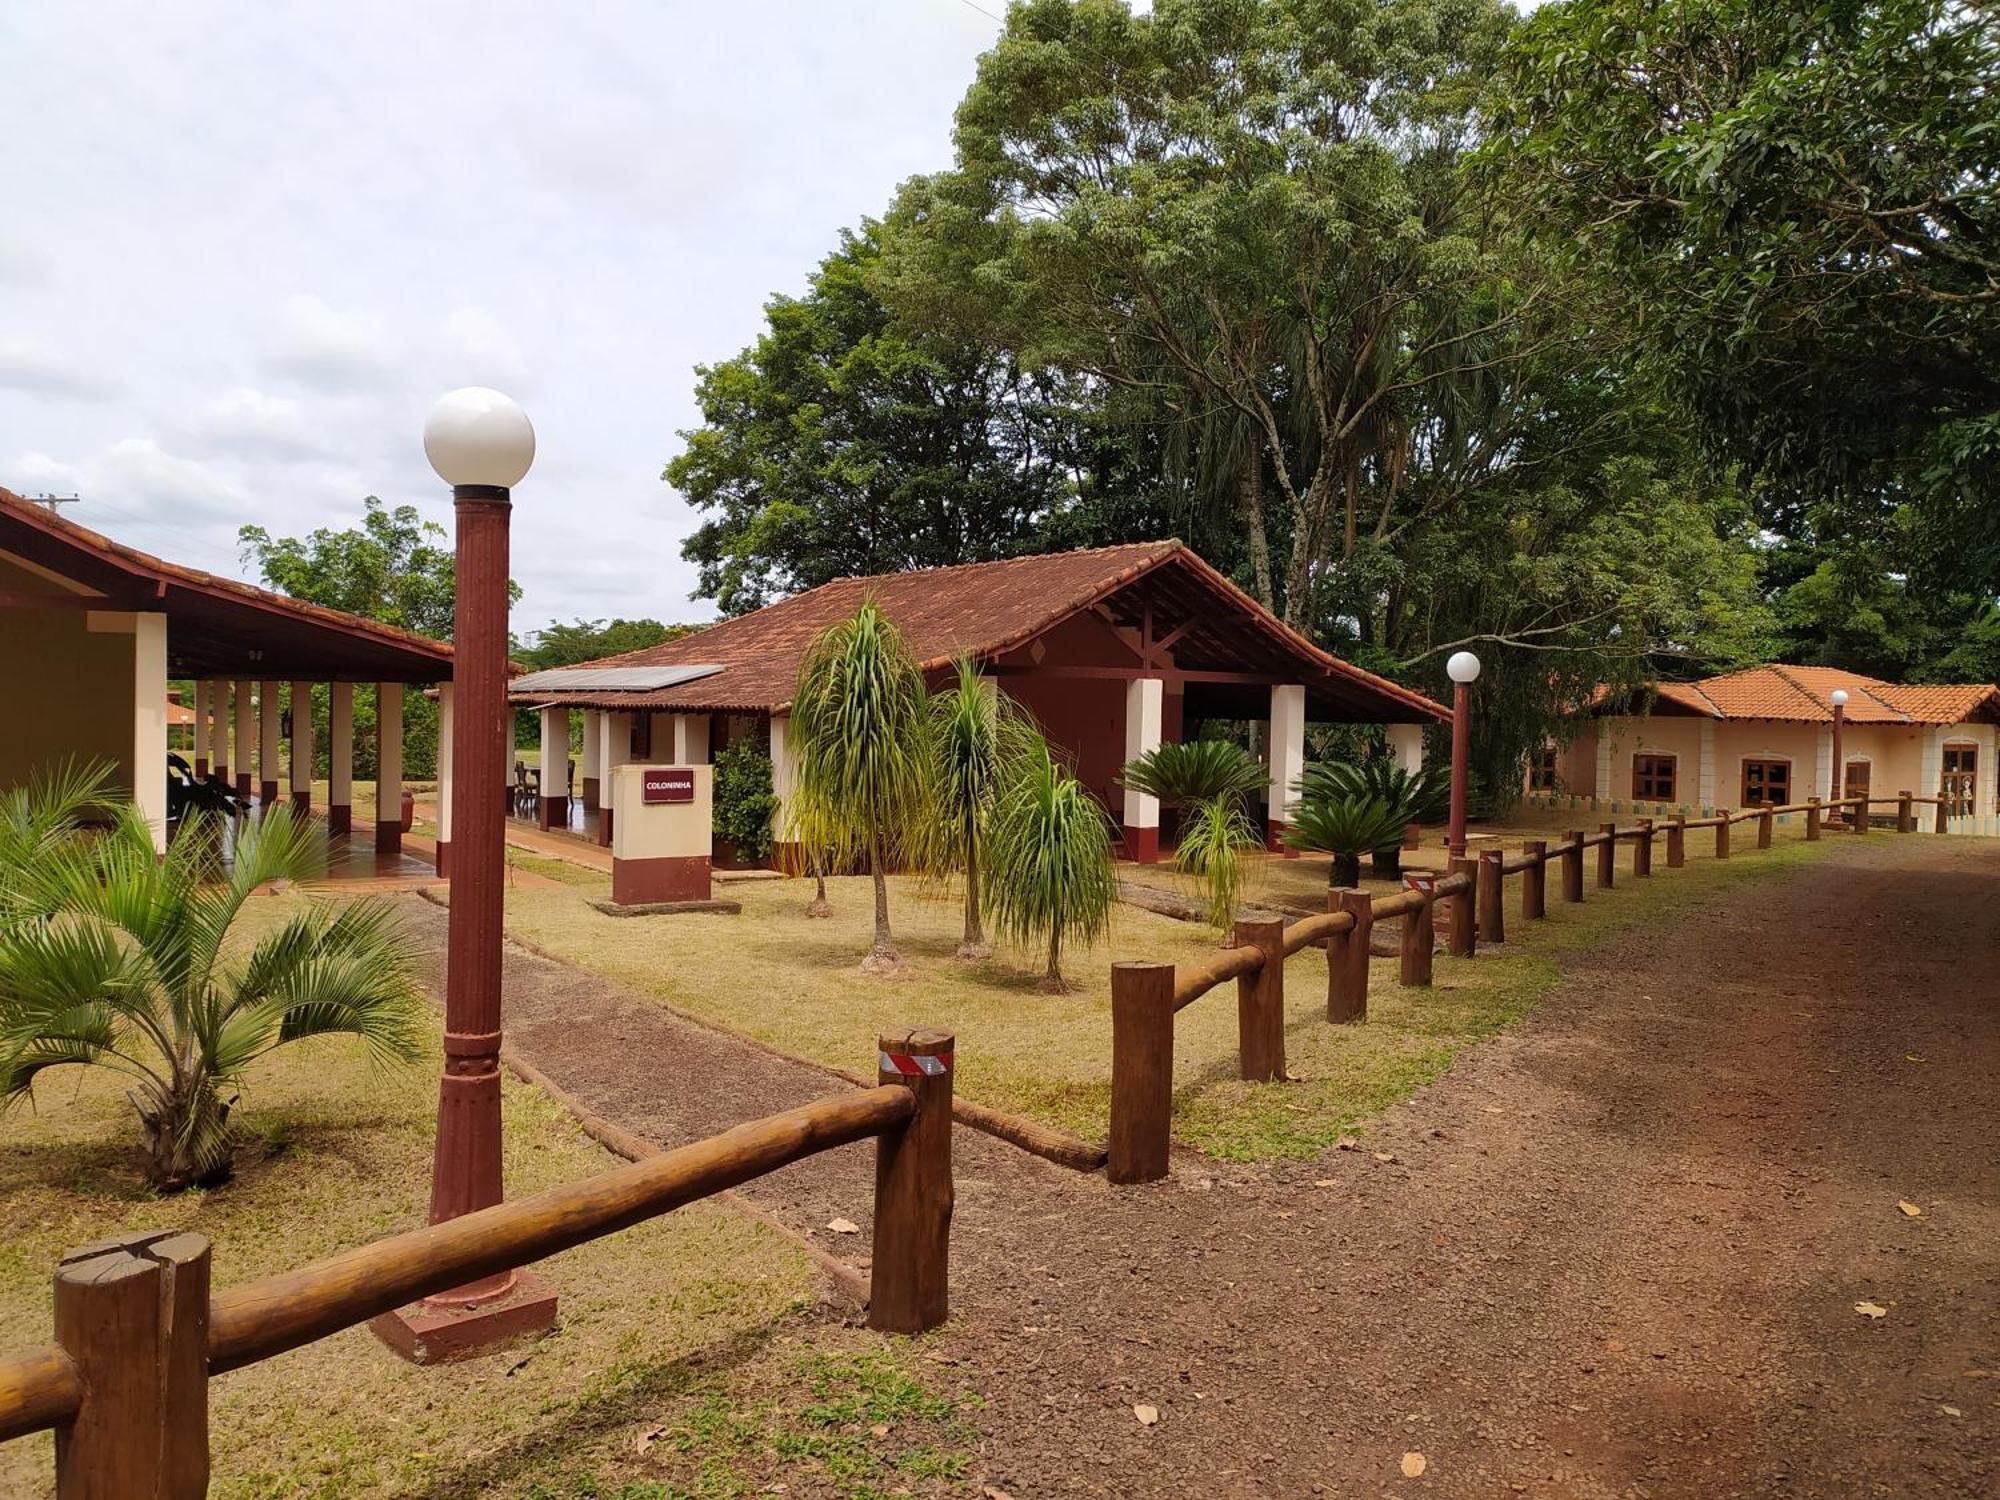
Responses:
[1629,1250]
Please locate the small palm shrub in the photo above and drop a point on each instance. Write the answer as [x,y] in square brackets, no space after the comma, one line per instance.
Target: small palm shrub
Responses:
[1215,835]
[1049,876]
[1195,772]
[1346,825]
[1421,796]
[111,957]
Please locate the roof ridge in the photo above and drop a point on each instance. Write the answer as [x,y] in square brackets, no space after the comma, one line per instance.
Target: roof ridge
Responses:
[1779,670]
[1170,542]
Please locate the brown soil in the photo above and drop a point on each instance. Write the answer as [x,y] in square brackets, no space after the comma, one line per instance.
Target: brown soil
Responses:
[1616,1253]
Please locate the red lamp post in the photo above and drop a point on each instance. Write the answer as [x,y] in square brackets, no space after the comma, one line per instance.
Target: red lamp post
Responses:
[481,443]
[1463,670]
[1838,773]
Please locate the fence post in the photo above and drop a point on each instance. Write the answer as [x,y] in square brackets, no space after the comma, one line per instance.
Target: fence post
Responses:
[1492,887]
[1142,1071]
[1767,821]
[1906,815]
[132,1314]
[1535,880]
[1722,833]
[1812,820]
[909,1281]
[1260,1001]
[1419,939]
[1607,856]
[1642,849]
[1677,829]
[1861,816]
[1943,824]
[1464,932]
[1572,858]
[1347,957]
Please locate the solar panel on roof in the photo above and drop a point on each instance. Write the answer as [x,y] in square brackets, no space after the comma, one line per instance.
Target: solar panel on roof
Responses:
[609,679]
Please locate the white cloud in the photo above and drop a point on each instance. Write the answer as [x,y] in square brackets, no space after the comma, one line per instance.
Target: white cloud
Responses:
[22,264]
[247,420]
[328,349]
[482,351]
[30,365]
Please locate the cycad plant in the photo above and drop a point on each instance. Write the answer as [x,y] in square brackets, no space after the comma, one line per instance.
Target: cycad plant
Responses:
[858,723]
[1194,772]
[1048,874]
[1207,782]
[977,736]
[114,958]
[1344,824]
[1420,796]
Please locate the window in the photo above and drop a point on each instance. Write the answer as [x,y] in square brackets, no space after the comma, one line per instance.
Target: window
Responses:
[642,736]
[1542,776]
[1855,782]
[1653,778]
[1961,774]
[1767,783]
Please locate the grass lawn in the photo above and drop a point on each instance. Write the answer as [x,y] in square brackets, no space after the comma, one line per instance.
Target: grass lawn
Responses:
[688,1360]
[793,982]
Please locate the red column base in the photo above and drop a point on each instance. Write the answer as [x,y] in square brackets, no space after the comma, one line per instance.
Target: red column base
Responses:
[1142,845]
[604,827]
[388,837]
[444,859]
[267,793]
[1274,838]
[201,767]
[635,882]
[242,783]
[340,819]
[590,794]
[429,1334]
[553,813]
[302,802]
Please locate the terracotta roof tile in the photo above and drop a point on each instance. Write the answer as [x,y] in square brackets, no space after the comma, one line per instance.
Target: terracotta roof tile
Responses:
[1805,695]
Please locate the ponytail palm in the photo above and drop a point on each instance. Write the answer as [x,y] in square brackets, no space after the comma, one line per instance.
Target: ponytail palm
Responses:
[1048,873]
[858,723]
[976,735]
[112,957]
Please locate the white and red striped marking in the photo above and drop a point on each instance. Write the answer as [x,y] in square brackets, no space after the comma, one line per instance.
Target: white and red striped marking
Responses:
[911,1067]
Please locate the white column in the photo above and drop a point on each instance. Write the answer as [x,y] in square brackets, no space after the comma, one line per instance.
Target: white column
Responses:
[1930,766]
[1984,771]
[218,728]
[302,745]
[593,759]
[1823,774]
[1705,781]
[691,739]
[267,742]
[1143,698]
[1288,749]
[617,752]
[554,811]
[784,778]
[1606,735]
[339,757]
[1406,745]
[243,759]
[388,767]
[149,723]
[444,780]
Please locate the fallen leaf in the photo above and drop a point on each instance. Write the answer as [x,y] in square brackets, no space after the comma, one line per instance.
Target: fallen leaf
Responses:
[880,1429]
[1975,1373]
[1912,1057]
[1910,1210]
[1616,1346]
[844,1226]
[1414,1464]
[1325,1182]
[1951,1411]
[646,1440]
[993,1492]
[1385,1156]
[1147,1415]
[1870,1310]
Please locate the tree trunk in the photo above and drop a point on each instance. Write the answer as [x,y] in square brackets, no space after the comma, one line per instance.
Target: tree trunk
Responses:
[1346,869]
[973,944]
[883,957]
[819,906]
[1387,863]
[1053,982]
[187,1137]
[1250,501]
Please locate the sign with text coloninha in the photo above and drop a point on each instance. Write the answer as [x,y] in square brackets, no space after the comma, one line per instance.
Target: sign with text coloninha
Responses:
[667,784]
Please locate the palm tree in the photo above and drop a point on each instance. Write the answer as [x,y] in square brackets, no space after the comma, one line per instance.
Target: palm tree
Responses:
[1048,870]
[1420,797]
[1207,782]
[811,826]
[1214,837]
[858,721]
[977,734]
[1346,825]
[114,958]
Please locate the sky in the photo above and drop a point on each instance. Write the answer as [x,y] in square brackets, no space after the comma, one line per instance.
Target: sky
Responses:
[245,247]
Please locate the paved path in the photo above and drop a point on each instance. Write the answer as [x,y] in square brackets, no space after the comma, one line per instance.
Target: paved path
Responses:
[1616,1253]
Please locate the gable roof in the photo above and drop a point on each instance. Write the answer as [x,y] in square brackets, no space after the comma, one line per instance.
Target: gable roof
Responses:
[1804,695]
[988,609]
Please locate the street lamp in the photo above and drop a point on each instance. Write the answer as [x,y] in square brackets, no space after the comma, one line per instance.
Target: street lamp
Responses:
[1839,771]
[481,444]
[1463,670]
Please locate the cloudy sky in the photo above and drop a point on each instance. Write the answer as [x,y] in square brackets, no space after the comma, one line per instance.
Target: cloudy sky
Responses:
[245,246]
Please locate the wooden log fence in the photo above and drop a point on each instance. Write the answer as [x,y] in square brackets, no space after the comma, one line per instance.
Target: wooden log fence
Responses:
[139,1333]
[1145,997]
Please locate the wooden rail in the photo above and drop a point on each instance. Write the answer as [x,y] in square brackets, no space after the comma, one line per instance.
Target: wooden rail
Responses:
[1145,997]
[138,1333]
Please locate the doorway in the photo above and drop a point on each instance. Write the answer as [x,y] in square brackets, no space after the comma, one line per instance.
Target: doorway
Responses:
[1961,780]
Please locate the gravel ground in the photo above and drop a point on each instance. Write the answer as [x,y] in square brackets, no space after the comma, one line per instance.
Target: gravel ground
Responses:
[1651,1243]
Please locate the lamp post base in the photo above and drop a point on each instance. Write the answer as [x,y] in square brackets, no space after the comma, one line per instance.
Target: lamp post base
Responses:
[427,1333]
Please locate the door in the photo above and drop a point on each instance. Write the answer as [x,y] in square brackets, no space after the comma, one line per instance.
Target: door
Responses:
[1961,775]
[1767,783]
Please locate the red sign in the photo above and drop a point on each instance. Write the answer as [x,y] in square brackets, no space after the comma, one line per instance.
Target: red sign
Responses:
[666,784]
[1416,882]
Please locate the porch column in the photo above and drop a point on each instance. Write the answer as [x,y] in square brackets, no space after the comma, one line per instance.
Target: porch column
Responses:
[554,811]
[593,757]
[1142,733]
[1823,773]
[1288,755]
[268,737]
[149,723]
[389,768]
[1406,746]
[339,757]
[218,730]
[245,755]
[302,746]
[201,738]
[616,751]
[1705,786]
[1604,787]
[691,739]
[1930,768]
[444,781]
[785,852]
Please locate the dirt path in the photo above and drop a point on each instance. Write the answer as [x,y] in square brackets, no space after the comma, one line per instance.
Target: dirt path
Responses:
[1617,1253]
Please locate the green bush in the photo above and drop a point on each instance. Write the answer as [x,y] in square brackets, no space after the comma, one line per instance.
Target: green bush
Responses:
[744,800]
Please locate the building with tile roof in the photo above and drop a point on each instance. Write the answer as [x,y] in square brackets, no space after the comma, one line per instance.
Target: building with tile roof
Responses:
[1765,735]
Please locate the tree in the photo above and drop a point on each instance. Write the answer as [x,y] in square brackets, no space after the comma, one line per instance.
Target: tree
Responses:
[1797,201]
[976,736]
[845,443]
[110,957]
[558,644]
[1208,782]
[1049,876]
[1346,824]
[1412,796]
[858,727]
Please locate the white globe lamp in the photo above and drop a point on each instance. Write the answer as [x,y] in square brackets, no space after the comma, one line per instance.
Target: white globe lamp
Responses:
[1462,667]
[476,436]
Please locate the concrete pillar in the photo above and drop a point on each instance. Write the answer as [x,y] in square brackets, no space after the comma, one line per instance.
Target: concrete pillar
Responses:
[201,733]
[149,722]
[691,739]
[339,757]
[1930,766]
[389,768]
[554,809]
[444,781]
[302,746]
[1141,824]
[268,738]
[617,751]
[1605,742]
[1823,775]
[218,730]
[1406,746]
[661,850]
[1288,754]
[1706,773]
[244,757]
[593,759]
[785,853]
